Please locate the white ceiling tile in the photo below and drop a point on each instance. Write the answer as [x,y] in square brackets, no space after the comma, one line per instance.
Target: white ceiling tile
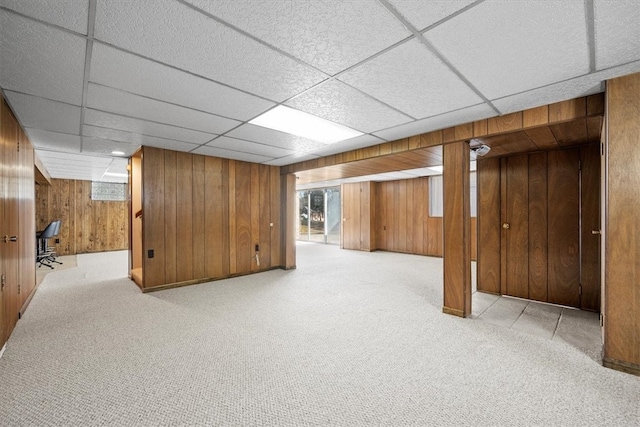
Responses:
[54,140]
[104,147]
[41,60]
[349,144]
[41,113]
[69,14]
[617,32]
[291,159]
[175,34]
[230,154]
[331,35]
[508,47]
[574,88]
[340,103]
[73,166]
[249,147]
[116,101]
[132,138]
[145,127]
[465,115]
[121,70]
[273,137]
[422,14]
[413,80]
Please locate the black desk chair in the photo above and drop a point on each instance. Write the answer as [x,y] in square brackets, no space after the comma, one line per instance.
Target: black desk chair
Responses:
[46,254]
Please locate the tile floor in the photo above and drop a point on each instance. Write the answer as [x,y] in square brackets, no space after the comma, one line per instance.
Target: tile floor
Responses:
[580,329]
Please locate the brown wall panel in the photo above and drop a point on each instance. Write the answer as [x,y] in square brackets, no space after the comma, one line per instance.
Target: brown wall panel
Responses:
[198,218]
[153,216]
[564,227]
[87,225]
[209,232]
[622,228]
[538,226]
[185,261]
[516,237]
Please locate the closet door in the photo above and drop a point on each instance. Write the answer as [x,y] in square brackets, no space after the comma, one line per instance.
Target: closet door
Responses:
[9,226]
[515,226]
[564,227]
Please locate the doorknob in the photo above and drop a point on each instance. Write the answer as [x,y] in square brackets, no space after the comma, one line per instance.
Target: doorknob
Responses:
[8,239]
[596,232]
[506,226]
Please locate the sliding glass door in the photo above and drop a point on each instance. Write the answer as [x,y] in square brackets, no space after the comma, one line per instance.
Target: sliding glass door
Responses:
[319,215]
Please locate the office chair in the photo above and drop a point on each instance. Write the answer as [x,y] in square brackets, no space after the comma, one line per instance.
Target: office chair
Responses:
[42,257]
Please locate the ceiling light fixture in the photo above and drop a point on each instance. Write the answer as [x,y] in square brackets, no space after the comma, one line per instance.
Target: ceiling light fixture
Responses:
[118,153]
[296,122]
[438,169]
[119,175]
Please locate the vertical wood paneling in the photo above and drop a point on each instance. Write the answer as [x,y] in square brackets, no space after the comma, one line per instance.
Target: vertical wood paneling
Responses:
[456,225]
[564,228]
[170,216]
[418,213]
[213,211]
[242,237]
[184,217]
[288,217]
[198,219]
[27,224]
[153,217]
[622,229]
[254,206]
[590,208]
[403,221]
[232,230]
[264,214]
[87,226]
[517,235]
[538,226]
[489,225]
[275,212]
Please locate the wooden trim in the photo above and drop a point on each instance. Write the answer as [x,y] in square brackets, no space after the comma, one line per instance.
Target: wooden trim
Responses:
[453,311]
[41,174]
[545,115]
[205,280]
[619,365]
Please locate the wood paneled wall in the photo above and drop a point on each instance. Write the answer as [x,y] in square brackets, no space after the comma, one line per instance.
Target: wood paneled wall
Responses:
[359,216]
[535,215]
[622,226]
[17,221]
[203,217]
[403,223]
[87,225]
[393,216]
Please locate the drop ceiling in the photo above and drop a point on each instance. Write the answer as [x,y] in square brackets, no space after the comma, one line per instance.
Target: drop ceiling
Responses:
[87,77]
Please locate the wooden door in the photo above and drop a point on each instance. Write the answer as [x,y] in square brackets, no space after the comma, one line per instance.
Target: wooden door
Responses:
[564,227]
[9,227]
[590,230]
[350,216]
[515,227]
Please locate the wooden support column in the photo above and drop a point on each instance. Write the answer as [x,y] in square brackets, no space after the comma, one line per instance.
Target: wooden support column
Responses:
[288,215]
[457,230]
[621,227]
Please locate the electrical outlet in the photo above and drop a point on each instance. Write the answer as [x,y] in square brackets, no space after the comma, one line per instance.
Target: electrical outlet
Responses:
[150,253]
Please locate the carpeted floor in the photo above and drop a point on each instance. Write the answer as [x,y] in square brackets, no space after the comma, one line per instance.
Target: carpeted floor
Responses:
[348,338]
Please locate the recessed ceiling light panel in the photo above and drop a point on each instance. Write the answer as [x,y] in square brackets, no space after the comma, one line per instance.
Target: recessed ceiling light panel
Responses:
[295,122]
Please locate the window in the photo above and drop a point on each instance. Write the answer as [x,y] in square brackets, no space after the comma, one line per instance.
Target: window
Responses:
[109,191]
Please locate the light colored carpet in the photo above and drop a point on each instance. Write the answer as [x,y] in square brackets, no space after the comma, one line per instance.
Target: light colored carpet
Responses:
[348,338]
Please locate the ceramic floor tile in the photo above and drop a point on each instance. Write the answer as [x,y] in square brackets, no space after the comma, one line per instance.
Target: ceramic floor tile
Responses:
[580,329]
[504,312]
[480,302]
[538,319]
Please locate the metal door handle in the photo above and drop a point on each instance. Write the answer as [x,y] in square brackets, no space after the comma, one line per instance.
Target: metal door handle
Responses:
[596,232]
[8,239]
[506,226]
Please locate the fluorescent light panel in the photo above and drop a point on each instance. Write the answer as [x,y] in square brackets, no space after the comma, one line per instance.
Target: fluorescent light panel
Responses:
[295,122]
